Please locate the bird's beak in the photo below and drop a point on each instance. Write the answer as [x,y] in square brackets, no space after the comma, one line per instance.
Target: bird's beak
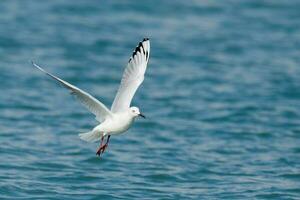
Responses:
[143,116]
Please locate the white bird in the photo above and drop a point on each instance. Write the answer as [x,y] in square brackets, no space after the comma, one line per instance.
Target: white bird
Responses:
[121,116]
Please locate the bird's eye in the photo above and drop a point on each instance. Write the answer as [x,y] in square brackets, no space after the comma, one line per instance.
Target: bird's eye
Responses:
[133,111]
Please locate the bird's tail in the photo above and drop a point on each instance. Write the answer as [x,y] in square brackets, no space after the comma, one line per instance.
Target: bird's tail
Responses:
[91,136]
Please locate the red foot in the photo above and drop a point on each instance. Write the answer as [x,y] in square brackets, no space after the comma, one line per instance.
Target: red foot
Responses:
[102,148]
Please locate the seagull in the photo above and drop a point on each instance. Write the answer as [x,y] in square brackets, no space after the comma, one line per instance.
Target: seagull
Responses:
[121,116]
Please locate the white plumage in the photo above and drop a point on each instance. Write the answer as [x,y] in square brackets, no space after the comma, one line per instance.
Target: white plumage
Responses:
[133,76]
[121,116]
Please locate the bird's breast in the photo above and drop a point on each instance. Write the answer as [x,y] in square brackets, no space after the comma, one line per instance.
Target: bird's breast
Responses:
[118,124]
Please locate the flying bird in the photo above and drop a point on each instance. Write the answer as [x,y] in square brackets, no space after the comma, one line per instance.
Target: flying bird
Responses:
[121,116]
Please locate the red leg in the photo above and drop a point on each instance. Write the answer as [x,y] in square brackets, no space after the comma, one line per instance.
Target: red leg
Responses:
[100,147]
[106,144]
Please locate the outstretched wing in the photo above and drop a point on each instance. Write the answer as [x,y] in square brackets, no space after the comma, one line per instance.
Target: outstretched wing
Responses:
[91,103]
[133,76]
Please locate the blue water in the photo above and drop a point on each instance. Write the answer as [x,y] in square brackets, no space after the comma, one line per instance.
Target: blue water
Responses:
[221,96]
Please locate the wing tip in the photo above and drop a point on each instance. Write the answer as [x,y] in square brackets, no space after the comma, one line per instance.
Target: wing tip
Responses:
[139,47]
[35,65]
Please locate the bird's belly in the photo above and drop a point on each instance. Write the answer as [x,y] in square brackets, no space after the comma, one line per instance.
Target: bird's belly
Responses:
[117,126]
[120,128]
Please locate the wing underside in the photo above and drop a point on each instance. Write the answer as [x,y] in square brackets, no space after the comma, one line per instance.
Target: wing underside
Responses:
[91,103]
[133,76]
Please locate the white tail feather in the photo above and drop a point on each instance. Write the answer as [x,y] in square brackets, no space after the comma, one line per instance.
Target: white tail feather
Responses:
[89,136]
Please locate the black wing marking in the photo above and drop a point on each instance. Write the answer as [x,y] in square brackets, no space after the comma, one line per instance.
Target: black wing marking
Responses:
[138,48]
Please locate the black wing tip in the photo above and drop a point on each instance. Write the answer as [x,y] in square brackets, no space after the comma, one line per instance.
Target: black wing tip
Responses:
[138,49]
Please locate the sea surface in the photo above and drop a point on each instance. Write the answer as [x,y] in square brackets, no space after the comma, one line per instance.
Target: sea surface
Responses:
[221,95]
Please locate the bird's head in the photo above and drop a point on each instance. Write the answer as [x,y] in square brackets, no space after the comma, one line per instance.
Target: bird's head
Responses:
[135,112]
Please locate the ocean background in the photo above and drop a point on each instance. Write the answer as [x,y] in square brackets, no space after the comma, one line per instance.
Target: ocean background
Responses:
[221,96]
